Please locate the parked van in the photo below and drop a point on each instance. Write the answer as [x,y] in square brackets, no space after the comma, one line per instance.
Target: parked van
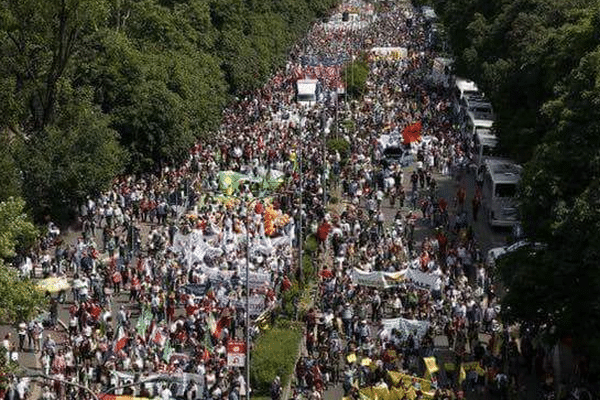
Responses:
[462,87]
[479,107]
[500,183]
[485,144]
[473,123]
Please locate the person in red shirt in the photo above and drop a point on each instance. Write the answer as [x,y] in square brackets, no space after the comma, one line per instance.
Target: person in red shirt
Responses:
[461,195]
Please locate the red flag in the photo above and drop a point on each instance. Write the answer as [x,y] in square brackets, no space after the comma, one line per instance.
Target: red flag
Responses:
[326,274]
[261,143]
[412,133]
[222,323]
[157,336]
[121,339]
[323,231]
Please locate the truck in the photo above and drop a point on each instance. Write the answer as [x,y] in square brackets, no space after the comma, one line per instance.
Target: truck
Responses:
[307,91]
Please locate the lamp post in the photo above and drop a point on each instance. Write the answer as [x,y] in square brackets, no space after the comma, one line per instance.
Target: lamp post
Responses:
[247,309]
[248,297]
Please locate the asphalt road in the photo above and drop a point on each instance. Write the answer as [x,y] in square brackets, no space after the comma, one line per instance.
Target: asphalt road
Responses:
[486,236]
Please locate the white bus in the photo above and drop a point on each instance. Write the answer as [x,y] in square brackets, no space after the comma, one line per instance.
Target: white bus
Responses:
[485,143]
[462,88]
[473,124]
[499,192]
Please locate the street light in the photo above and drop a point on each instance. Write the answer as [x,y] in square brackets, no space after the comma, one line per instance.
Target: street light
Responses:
[262,197]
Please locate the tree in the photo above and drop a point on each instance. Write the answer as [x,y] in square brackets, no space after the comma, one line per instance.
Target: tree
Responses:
[77,156]
[16,228]
[18,298]
[39,41]
[355,76]
[560,205]
[10,181]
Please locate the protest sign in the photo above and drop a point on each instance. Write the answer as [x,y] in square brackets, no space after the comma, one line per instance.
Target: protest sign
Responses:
[406,327]
[236,353]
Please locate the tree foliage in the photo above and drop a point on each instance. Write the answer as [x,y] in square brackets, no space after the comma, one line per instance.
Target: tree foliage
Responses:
[539,61]
[18,298]
[146,78]
[355,76]
[77,156]
[16,228]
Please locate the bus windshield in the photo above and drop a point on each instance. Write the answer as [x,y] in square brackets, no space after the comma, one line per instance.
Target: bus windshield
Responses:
[306,97]
[505,190]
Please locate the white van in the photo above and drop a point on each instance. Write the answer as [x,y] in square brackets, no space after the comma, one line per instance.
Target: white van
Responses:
[473,123]
[462,87]
[485,143]
[500,183]
[478,106]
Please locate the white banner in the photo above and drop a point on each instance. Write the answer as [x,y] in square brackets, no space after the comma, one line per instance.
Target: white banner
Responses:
[256,303]
[406,327]
[257,279]
[378,279]
[371,279]
[422,279]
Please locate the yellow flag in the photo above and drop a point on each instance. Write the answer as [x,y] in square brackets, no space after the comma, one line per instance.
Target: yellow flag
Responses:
[397,393]
[351,358]
[365,361]
[431,365]
[480,371]
[411,393]
[382,393]
[462,375]
[395,377]
[367,393]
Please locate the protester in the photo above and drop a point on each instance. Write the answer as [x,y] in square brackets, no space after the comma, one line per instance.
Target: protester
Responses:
[177,246]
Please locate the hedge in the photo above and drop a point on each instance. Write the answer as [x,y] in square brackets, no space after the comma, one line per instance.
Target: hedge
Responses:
[274,354]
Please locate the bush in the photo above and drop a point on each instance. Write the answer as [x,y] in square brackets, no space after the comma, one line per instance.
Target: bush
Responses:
[274,355]
[341,146]
[310,245]
[355,75]
[287,300]
[308,269]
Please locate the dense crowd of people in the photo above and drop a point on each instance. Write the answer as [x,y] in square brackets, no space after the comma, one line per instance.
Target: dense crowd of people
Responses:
[176,246]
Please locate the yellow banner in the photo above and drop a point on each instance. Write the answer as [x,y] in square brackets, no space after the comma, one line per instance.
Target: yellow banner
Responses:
[382,393]
[395,393]
[407,380]
[431,365]
[462,375]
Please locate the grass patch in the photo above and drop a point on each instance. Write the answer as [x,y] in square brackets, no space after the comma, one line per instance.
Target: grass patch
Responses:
[274,355]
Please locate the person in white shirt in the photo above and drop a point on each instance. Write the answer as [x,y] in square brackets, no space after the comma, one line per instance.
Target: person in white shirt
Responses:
[166,393]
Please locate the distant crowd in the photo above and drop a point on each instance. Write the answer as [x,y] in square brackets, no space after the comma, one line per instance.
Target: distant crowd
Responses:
[158,272]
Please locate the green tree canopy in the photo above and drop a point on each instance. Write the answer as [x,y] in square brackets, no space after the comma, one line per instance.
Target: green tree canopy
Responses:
[148,78]
[77,156]
[355,76]
[539,62]
[18,298]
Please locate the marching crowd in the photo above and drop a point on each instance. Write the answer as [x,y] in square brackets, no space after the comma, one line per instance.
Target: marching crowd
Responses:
[176,248]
